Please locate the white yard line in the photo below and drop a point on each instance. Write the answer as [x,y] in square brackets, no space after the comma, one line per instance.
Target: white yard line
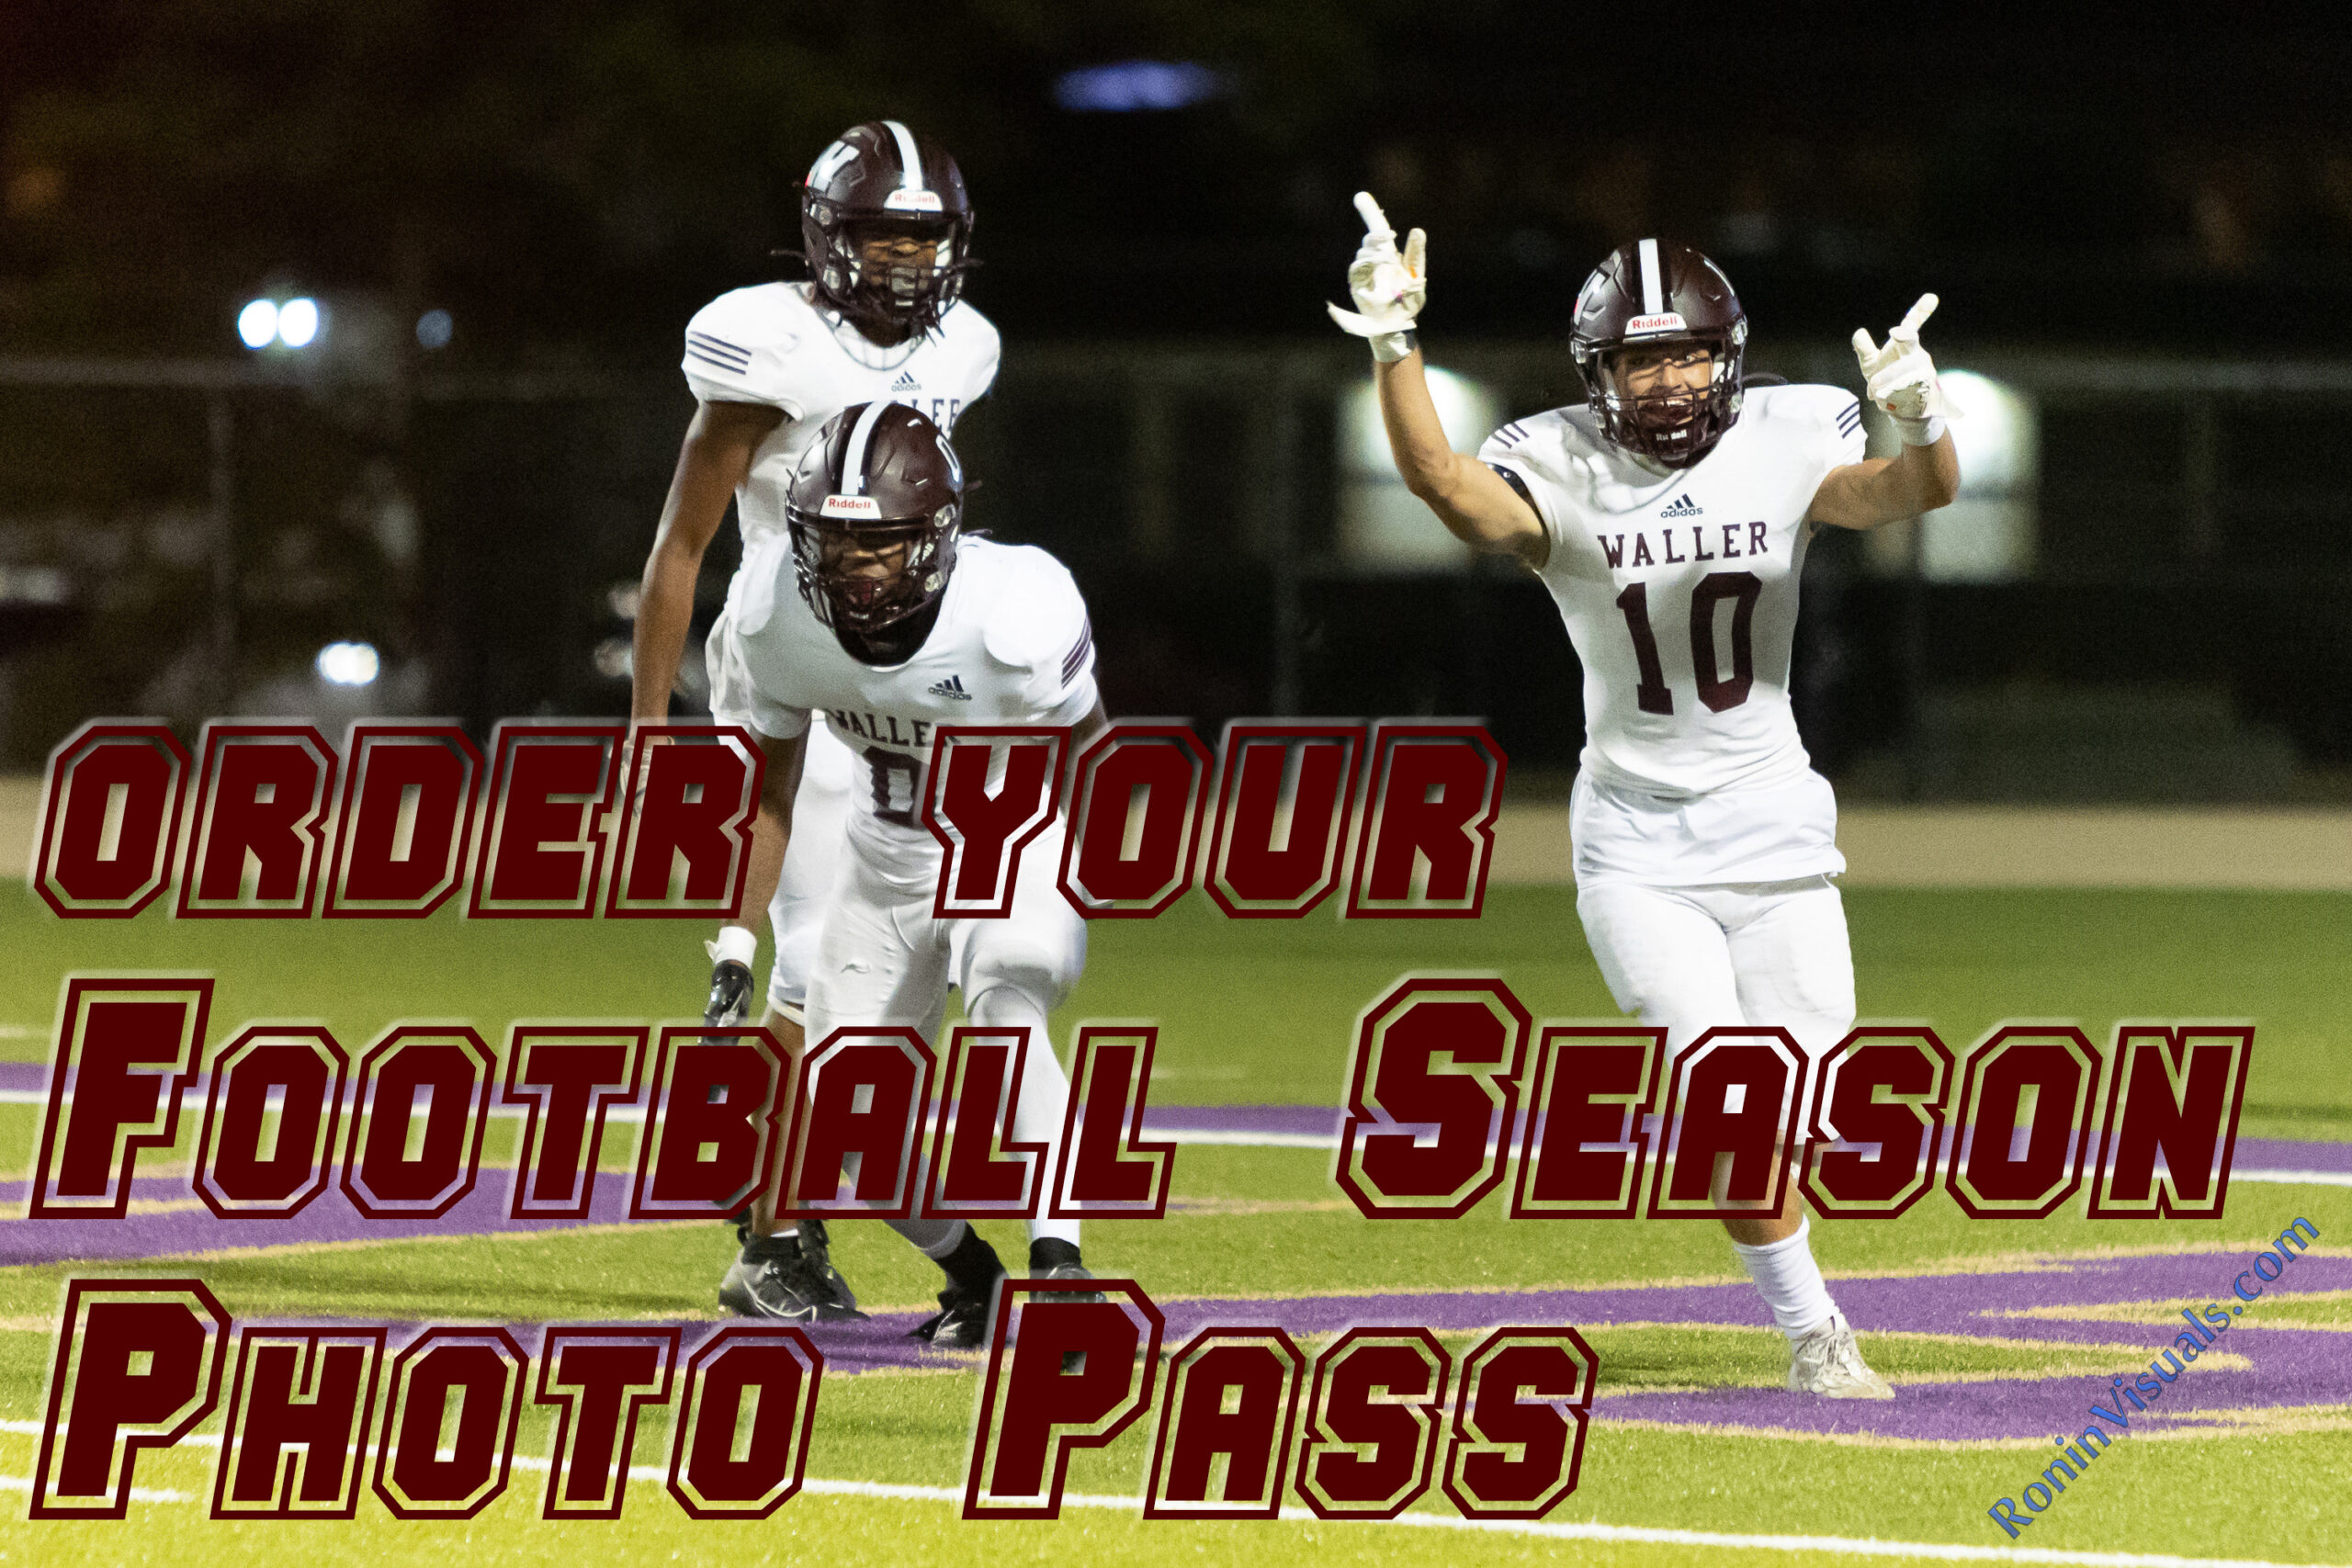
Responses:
[1923,1550]
[138,1493]
[1240,1140]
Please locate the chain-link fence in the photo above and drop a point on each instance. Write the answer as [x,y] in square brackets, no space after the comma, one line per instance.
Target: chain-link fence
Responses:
[2145,594]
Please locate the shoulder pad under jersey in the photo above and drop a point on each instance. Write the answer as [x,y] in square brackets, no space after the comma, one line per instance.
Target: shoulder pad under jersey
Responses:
[971,333]
[745,346]
[1036,619]
[1831,416]
[1542,443]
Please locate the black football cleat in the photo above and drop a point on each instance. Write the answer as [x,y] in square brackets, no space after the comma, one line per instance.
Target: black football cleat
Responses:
[962,1321]
[967,1306]
[1052,1259]
[788,1279]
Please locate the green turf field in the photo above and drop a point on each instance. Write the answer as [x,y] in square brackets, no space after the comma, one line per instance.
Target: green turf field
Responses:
[1259,1011]
[1255,1014]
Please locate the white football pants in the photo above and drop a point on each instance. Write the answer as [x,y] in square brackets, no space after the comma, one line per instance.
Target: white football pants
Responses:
[1694,958]
[811,862]
[884,960]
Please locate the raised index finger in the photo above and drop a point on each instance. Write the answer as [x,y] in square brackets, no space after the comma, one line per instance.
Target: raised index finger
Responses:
[1375,220]
[1917,317]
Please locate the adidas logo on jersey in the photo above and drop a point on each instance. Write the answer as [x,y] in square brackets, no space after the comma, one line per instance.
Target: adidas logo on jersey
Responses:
[952,687]
[1681,507]
[906,383]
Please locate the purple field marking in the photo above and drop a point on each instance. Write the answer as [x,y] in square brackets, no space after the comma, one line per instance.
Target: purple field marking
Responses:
[31,1078]
[2252,1154]
[879,1344]
[330,1218]
[2290,1367]
[1297,1121]
[2280,1153]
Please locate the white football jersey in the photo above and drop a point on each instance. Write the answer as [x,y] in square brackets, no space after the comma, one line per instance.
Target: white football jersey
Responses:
[1680,591]
[772,345]
[1012,645]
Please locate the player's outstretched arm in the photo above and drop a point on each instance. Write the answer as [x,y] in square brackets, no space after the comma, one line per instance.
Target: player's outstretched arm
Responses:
[1888,490]
[1902,381]
[715,459]
[1477,505]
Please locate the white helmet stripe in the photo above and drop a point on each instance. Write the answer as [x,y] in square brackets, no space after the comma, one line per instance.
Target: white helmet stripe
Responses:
[1653,290]
[854,457]
[909,157]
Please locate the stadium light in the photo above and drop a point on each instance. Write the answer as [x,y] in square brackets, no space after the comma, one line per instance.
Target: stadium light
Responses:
[299,322]
[1991,532]
[434,329]
[288,324]
[1381,523]
[349,664]
[2000,422]
[1130,87]
[258,323]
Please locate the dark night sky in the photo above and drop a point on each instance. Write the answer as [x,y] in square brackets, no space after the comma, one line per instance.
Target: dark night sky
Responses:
[572,179]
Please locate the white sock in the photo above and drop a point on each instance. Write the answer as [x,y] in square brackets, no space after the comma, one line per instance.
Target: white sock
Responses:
[1045,1091]
[1790,1281]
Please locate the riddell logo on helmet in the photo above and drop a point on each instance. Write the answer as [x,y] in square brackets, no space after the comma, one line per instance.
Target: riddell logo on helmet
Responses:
[1667,322]
[851,506]
[912,201]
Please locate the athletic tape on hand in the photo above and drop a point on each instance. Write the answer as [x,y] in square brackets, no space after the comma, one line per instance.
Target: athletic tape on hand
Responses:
[734,944]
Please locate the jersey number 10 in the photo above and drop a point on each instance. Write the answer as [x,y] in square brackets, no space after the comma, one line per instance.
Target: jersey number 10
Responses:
[1719,695]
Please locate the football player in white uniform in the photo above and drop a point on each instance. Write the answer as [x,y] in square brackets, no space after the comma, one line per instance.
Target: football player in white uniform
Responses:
[1670,516]
[887,227]
[873,613]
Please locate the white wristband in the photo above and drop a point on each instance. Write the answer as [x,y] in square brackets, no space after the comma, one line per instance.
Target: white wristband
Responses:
[1920,431]
[735,944]
[1390,347]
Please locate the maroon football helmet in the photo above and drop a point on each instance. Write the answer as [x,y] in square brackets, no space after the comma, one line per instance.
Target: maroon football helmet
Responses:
[881,181]
[880,478]
[1650,295]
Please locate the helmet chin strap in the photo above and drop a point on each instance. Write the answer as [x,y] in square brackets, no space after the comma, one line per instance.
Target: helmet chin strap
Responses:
[892,644]
[1649,465]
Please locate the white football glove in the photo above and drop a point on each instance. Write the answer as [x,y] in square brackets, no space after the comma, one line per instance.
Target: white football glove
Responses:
[1902,379]
[1387,287]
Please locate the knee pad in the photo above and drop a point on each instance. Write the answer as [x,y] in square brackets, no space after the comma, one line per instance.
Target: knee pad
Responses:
[1007,1002]
[1030,962]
